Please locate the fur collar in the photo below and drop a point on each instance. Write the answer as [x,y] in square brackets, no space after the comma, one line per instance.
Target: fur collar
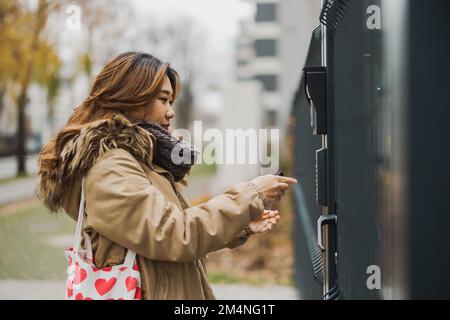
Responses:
[82,151]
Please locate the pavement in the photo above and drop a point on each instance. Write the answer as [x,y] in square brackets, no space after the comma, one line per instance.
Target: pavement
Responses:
[54,290]
[18,189]
[8,165]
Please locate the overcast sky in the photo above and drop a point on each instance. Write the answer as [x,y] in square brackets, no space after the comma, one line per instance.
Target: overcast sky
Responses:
[219,16]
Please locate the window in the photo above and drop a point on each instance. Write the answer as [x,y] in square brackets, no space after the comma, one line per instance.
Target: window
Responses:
[266,12]
[242,62]
[266,47]
[269,81]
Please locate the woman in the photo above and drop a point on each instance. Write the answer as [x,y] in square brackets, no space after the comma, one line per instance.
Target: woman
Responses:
[118,139]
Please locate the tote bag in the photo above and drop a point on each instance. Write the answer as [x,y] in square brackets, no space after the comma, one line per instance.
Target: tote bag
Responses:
[86,282]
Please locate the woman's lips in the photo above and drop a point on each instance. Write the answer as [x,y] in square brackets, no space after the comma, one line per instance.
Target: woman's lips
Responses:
[166,126]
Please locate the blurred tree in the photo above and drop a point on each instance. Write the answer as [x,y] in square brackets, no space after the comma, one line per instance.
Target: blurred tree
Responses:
[8,10]
[100,26]
[104,25]
[186,53]
[182,43]
[86,63]
[185,105]
[46,72]
[27,56]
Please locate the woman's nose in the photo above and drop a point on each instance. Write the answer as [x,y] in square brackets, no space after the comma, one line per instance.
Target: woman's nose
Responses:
[170,113]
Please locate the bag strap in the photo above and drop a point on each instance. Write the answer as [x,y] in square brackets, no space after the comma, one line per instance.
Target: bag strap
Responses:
[129,259]
[80,222]
[130,256]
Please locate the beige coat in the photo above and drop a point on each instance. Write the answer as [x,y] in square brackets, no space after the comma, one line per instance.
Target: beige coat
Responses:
[133,204]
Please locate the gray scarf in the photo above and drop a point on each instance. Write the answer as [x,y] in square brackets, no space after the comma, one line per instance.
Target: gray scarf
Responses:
[166,143]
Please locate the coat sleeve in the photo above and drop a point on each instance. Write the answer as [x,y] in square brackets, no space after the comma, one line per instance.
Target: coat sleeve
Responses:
[123,206]
[240,240]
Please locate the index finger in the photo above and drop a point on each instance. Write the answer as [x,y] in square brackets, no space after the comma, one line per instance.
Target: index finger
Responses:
[287,180]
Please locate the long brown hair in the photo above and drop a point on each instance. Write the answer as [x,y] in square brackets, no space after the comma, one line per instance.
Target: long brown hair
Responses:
[127,84]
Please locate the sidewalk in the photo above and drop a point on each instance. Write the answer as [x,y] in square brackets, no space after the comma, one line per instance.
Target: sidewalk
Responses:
[17,190]
[54,290]
[20,189]
[8,166]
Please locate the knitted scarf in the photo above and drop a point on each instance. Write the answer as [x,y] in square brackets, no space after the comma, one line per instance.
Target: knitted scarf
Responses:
[166,143]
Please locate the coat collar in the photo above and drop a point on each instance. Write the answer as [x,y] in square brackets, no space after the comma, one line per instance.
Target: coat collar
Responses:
[83,150]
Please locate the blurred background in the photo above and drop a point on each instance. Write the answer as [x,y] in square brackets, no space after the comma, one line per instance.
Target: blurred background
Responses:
[235,57]
[357,89]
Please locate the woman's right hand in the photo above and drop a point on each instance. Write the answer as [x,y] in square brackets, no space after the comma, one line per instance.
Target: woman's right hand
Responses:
[273,187]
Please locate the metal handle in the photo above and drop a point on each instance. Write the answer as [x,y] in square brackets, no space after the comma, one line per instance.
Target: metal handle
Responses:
[323,220]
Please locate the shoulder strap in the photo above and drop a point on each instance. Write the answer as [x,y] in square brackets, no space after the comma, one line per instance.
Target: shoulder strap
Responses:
[80,222]
[130,256]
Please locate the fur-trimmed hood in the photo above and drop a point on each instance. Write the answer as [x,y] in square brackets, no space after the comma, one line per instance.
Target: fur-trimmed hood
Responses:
[82,151]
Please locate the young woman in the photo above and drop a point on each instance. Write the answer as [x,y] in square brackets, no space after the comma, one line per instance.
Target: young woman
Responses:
[119,140]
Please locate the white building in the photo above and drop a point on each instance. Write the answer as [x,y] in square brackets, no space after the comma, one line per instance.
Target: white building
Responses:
[272,49]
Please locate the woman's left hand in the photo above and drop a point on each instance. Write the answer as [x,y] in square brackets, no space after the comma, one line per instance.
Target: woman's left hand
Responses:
[268,219]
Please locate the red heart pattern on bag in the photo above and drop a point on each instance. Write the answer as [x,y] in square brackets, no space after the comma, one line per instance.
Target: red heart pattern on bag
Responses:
[69,283]
[103,286]
[107,269]
[138,294]
[131,283]
[80,274]
[69,290]
[69,287]
[79,296]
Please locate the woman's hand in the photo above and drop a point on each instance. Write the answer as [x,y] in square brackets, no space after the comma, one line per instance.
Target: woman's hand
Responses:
[268,219]
[273,187]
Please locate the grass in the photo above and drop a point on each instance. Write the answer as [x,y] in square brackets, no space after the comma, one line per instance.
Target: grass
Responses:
[24,251]
[224,277]
[202,169]
[229,278]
